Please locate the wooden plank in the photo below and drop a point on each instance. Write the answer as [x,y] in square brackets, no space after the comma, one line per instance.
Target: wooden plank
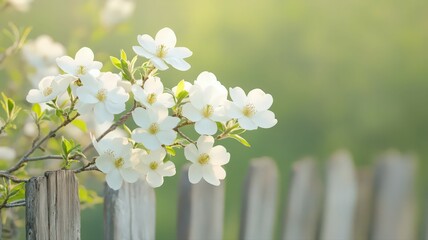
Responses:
[53,207]
[37,220]
[364,207]
[340,198]
[130,212]
[394,193]
[259,200]
[200,210]
[302,211]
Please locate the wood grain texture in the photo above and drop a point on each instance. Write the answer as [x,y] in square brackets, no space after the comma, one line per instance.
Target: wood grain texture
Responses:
[302,210]
[200,210]
[130,212]
[394,198]
[53,207]
[259,202]
[340,198]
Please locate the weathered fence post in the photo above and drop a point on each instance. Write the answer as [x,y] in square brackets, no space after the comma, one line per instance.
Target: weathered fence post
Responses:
[340,198]
[258,211]
[364,206]
[302,211]
[130,212]
[53,206]
[394,198]
[200,210]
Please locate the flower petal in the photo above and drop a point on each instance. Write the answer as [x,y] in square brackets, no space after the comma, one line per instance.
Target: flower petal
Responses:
[209,175]
[191,113]
[260,99]
[101,113]
[219,155]
[169,123]
[178,63]
[129,175]
[105,163]
[191,153]
[142,52]
[114,180]
[148,44]
[159,63]
[166,137]
[84,56]
[67,64]
[166,37]
[205,143]
[154,179]
[219,172]
[35,96]
[150,141]
[206,126]
[195,173]
[141,118]
[246,123]
[86,94]
[238,96]
[167,169]
[179,52]
[265,119]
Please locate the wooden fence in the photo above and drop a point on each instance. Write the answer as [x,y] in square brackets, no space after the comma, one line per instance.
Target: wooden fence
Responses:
[339,203]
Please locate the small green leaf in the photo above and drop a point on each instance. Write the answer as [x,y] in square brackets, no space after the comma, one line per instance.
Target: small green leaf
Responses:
[116,62]
[79,123]
[17,192]
[123,55]
[239,139]
[180,87]
[182,95]
[170,150]
[220,126]
[10,105]
[37,110]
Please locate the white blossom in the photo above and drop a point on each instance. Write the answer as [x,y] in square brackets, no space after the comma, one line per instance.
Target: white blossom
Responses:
[116,11]
[102,96]
[115,161]
[152,95]
[49,88]
[155,127]
[7,153]
[207,97]
[20,5]
[82,66]
[162,49]
[152,166]
[206,161]
[42,52]
[252,110]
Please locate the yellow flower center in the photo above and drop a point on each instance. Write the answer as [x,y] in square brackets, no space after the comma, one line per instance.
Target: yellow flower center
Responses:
[153,165]
[249,110]
[203,158]
[154,128]
[207,111]
[81,70]
[161,51]
[151,98]
[47,91]
[101,95]
[118,163]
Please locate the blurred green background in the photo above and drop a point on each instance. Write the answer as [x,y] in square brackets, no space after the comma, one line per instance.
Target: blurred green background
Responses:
[343,74]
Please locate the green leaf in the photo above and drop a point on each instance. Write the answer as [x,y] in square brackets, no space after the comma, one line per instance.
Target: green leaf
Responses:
[180,87]
[182,95]
[10,105]
[88,197]
[79,123]
[123,55]
[239,139]
[17,192]
[116,62]
[220,126]
[37,110]
[170,150]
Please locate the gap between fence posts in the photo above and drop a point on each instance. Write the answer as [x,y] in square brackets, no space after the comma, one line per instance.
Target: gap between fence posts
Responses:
[394,215]
[302,210]
[130,212]
[340,198]
[200,209]
[259,201]
[53,207]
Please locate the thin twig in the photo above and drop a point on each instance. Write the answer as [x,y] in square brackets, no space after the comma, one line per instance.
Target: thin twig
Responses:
[19,203]
[57,157]
[52,133]
[12,178]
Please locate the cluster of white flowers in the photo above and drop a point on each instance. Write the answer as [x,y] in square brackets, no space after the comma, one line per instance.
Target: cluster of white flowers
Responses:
[159,113]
